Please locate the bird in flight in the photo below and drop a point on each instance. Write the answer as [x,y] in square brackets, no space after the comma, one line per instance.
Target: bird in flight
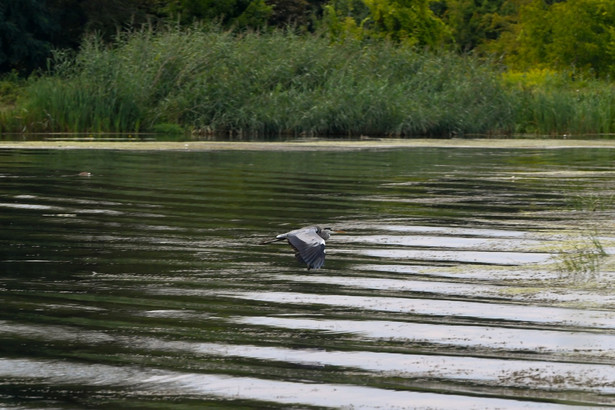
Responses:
[308,243]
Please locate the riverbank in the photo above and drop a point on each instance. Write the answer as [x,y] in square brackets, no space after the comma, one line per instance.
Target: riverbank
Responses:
[212,83]
[309,144]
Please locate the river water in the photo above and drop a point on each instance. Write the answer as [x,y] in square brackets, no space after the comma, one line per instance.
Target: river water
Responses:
[464,278]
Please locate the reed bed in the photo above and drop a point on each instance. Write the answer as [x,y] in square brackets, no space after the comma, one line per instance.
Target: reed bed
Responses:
[208,81]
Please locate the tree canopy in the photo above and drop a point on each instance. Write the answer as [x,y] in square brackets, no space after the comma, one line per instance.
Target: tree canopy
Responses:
[570,35]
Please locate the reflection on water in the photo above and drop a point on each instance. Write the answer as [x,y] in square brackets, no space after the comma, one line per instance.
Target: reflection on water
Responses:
[137,279]
[159,385]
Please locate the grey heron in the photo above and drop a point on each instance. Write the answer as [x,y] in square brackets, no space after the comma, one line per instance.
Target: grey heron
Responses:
[308,243]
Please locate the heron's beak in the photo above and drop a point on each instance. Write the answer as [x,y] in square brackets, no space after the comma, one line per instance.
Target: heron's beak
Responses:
[338,231]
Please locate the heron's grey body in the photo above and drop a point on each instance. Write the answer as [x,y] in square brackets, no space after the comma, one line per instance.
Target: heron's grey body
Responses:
[309,244]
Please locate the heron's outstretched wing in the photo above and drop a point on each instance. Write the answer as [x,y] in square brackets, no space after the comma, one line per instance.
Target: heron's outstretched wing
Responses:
[309,247]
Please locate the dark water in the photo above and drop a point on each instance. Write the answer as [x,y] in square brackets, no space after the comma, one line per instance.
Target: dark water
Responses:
[143,284]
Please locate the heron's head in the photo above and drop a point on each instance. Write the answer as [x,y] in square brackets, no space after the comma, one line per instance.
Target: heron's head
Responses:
[325,233]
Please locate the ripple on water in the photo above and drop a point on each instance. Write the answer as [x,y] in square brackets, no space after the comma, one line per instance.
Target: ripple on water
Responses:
[450,308]
[443,292]
[480,337]
[136,381]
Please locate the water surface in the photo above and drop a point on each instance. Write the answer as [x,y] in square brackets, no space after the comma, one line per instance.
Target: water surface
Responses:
[136,279]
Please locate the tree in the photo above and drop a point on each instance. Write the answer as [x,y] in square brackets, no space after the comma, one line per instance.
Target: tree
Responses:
[410,22]
[582,32]
[30,29]
[25,31]
[256,15]
[474,22]
[247,13]
[572,34]
[295,12]
[346,19]
[225,11]
[106,17]
[69,16]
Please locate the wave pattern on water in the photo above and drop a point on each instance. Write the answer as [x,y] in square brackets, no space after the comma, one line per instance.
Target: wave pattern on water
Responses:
[145,281]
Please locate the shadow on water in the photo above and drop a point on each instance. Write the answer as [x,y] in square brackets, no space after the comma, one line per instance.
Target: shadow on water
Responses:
[465,278]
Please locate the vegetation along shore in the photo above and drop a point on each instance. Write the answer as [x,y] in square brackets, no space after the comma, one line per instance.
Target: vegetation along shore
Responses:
[379,68]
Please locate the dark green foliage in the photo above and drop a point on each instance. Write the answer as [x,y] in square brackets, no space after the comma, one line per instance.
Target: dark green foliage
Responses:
[30,29]
[25,32]
[245,13]
[107,17]
[408,22]
[568,35]
[225,12]
[70,17]
[475,22]
[294,12]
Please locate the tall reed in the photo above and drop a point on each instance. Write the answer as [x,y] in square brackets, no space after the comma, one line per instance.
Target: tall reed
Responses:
[561,103]
[212,81]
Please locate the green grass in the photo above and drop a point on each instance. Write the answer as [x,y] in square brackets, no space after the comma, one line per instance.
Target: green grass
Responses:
[593,202]
[208,81]
[583,262]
